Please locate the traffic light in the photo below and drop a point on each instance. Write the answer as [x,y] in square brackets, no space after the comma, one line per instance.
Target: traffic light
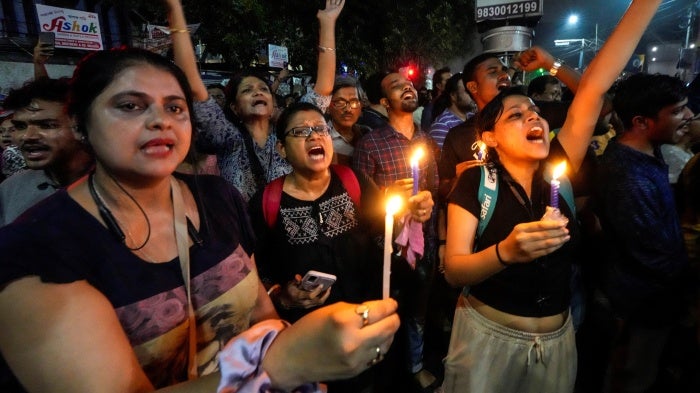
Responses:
[410,72]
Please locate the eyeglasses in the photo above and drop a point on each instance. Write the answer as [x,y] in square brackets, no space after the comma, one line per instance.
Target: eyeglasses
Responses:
[305,132]
[342,104]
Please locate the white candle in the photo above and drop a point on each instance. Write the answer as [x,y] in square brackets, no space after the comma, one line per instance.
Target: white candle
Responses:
[417,155]
[554,194]
[393,205]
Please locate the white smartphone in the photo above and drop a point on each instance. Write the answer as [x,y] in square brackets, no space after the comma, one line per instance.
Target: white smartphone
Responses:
[312,279]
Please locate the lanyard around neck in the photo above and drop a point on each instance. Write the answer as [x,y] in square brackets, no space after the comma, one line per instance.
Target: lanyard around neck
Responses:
[183,250]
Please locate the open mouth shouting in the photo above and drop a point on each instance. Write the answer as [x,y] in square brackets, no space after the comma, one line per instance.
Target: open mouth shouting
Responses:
[259,102]
[316,153]
[34,151]
[504,83]
[536,135]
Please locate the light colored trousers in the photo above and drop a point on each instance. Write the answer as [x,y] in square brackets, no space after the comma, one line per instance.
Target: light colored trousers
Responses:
[484,357]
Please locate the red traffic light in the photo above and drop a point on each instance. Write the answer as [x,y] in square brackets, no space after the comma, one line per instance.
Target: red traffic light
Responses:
[409,72]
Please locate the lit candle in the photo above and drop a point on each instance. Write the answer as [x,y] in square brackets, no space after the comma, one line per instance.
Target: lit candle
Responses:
[417,155]
[481,154]
[393,205]
[556,173]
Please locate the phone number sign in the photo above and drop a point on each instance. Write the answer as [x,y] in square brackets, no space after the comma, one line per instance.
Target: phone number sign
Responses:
[504,9]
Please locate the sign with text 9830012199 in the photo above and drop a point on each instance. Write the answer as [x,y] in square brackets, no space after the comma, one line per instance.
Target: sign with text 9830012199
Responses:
[507,9]
[73,29]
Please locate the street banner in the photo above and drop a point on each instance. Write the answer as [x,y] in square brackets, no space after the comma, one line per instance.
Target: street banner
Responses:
[73,29]
[157,38]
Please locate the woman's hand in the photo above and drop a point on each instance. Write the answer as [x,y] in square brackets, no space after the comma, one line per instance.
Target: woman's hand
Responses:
[293,295]
[531,240]
[421,206]
[333,342]
[331,12]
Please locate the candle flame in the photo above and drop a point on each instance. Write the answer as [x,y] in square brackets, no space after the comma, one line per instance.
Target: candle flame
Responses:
[393,205]
[417,155]
[559,170]
[482,150]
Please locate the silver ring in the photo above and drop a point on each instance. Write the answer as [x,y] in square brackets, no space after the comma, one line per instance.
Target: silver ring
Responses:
[363,311]
[377,359]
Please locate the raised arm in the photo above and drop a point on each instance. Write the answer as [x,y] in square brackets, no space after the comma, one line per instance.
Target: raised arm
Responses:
[536,57]
[42,53]
[325,76]
[580,121]
[183,49]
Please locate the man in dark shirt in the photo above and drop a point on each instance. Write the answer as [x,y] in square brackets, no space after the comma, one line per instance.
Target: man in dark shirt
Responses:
[644,250]
[483,77]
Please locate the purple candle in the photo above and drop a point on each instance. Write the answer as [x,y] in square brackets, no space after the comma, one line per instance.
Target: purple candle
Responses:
[417,155]
[554,195]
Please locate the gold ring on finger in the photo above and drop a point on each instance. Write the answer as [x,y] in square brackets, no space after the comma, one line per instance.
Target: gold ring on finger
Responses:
[363,311]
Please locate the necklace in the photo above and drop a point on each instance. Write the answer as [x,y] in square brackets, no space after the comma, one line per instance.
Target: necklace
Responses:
[110,220]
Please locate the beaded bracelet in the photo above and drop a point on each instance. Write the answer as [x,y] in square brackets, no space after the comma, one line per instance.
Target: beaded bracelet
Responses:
[325,48]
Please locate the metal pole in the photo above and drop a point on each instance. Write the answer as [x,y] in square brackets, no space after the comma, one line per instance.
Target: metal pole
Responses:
[580,56]
[596,38]
[687,29]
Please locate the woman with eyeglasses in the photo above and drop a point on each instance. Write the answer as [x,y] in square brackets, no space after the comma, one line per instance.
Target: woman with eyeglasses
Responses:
[320,223]
[242,134]
[136,278]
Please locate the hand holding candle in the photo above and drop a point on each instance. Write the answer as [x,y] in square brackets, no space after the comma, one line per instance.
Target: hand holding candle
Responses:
[393,205]
[554,194]
[415,158]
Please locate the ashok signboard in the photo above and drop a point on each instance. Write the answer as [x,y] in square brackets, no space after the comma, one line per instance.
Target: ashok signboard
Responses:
[505,9]
[73,29]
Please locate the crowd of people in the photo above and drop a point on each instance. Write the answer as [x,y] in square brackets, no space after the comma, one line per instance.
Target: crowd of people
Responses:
[159,233]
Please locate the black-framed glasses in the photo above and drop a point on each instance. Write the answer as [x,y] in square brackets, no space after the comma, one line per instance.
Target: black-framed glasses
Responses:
[342,104]
[305,132]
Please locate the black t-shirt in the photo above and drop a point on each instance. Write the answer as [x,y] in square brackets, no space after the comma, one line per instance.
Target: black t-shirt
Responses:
[457,148]
[330,235]
[536,289]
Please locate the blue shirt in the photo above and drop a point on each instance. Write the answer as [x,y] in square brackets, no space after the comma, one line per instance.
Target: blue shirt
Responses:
[643,239]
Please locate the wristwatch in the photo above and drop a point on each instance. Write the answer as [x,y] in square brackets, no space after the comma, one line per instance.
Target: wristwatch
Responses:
[555,67]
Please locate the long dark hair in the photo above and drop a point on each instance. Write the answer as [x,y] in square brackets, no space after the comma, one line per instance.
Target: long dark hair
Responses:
[486,118]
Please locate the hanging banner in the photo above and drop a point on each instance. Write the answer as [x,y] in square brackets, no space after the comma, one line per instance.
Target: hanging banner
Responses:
[73,29]
[157,38]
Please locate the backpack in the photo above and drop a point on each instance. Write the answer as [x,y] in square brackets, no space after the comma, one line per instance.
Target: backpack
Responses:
[272,194]
[488,195]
